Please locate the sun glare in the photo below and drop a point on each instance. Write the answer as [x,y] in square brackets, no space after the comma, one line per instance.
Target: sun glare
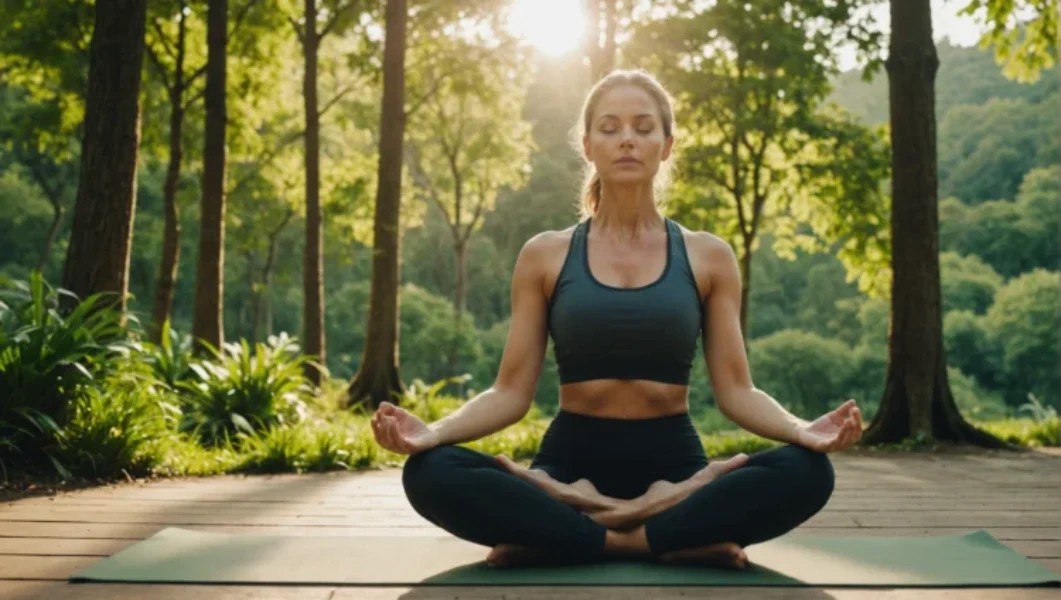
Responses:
[552,26]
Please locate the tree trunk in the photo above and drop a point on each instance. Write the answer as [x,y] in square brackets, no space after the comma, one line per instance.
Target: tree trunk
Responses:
[313,268]
[263,320]
[746,285]
[53,230]
[207,324]
[593,50]
[171,237]
[607,55]
[917,399]
[377,378]
[97,258]
[460,291]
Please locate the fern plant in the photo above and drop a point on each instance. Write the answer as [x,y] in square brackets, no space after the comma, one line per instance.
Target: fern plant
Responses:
[247,390]
[45,359]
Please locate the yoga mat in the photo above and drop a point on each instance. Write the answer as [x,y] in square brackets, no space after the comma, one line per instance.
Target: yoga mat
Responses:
[176,555]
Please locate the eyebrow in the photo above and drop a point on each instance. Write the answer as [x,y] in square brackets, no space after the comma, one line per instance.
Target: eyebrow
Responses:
[640,116]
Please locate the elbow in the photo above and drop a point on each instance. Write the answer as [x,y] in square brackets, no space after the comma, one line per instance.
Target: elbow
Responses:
[517,403]
[728,397]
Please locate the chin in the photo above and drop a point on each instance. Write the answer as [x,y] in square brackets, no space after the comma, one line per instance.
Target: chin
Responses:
[627,179]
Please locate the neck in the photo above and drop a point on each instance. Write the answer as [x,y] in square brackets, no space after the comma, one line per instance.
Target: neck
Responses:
[627,211]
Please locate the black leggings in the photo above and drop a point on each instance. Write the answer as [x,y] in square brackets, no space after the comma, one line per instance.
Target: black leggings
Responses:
[470,495]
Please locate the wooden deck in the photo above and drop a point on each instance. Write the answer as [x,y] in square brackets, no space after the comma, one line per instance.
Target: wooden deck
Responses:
[45,540]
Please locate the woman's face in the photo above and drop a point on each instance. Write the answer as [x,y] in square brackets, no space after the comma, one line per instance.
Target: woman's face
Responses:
[626,141]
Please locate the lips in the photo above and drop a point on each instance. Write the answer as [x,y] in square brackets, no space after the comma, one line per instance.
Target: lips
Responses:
[627,160]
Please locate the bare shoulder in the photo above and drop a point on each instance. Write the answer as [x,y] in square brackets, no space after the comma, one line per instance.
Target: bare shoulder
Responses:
[711,257]
[543,256]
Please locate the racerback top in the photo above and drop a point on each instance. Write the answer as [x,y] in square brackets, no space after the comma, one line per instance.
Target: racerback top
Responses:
[606,332]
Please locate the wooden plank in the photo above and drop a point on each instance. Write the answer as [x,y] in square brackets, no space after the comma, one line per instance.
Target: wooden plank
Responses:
[40,590]
[43,567]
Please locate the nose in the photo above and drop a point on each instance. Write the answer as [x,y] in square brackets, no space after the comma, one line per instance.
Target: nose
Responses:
[627,137]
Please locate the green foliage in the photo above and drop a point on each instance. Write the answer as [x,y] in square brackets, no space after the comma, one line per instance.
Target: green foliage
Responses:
[970,348]
[1026,432]
[730,443]
[1025,45]
[432,345]
[245,390]
[1010,237]
[967,283]
[171,359]
[46,358]
[113,424]
[807,373]
[985,150]
[1024,323]
[974,402]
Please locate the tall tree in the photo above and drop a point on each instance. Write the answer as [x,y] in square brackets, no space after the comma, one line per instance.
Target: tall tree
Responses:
[168,52]
[469,143]
[917,399]
[313,268]
[601,53]
[177,81]
[97,259]
[207,321]
[378,377]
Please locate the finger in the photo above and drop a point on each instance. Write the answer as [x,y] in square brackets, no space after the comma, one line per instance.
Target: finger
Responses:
[390,434]
[375,429]
[849,433]
[858,419]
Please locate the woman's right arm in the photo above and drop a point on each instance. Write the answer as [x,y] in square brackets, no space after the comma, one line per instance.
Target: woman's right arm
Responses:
[509,399]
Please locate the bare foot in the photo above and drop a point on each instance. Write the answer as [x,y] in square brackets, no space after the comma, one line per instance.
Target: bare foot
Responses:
[662,495]
[580,494]
[726,555]
[511,555]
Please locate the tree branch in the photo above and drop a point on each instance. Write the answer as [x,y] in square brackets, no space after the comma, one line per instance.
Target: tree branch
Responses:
[240,16]
[153,58]
[162,38]
[298,31]
[335,19]
[460,65]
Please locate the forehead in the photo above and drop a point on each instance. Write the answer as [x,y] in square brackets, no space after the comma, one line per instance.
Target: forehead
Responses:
[626,101]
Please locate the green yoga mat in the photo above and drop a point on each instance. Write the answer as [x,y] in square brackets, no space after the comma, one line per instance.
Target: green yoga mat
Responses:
[176,555]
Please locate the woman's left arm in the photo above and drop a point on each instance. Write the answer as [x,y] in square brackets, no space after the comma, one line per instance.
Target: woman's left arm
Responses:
[727,363]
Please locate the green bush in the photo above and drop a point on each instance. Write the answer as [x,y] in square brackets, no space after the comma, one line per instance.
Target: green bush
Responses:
[171,359]
[112,426]
[241,390]
[46,358]
[1023,323]
[806,373]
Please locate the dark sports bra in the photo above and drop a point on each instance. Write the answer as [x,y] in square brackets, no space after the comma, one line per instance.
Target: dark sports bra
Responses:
[605,332]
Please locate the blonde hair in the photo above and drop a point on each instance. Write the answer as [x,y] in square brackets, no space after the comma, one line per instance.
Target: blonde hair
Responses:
[589,200]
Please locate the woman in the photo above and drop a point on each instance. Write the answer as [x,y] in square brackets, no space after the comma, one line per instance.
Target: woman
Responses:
[626,294]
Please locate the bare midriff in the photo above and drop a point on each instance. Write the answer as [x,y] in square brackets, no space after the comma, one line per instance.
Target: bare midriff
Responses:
[624,399]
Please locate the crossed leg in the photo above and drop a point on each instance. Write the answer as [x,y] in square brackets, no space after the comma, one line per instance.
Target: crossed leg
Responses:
[625,518]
